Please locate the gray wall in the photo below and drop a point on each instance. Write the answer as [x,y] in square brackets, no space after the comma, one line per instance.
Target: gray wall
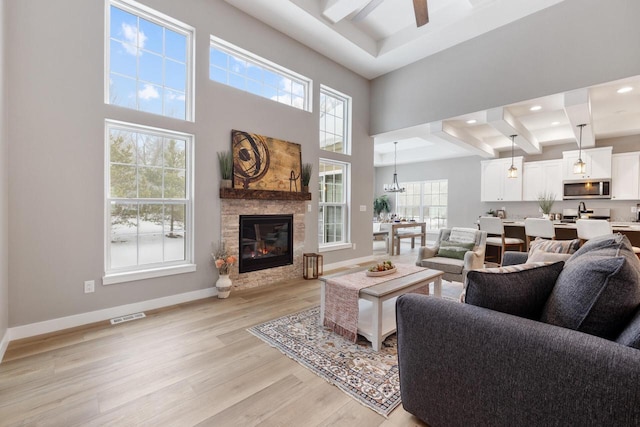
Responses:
[4,185]
[574,44]
[463,175]
[56,159]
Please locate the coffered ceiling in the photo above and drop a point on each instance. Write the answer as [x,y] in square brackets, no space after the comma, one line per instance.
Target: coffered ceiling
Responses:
[374,37]
[609,110]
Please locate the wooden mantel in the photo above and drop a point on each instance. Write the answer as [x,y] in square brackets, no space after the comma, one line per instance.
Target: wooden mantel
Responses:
[238,193]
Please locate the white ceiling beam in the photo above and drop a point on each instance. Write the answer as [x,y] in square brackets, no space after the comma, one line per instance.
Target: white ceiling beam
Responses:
[462,138]
[577,107]
[507,124]
[337,10]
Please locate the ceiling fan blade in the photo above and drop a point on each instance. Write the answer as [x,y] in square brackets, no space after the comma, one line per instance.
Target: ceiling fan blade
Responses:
[421,12]
[366,10]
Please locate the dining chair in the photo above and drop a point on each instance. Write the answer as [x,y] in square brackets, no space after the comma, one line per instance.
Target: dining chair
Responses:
[495,232]
[538,227]
[590,228]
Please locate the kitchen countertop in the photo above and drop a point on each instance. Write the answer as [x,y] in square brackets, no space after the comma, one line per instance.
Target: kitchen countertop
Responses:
[617,226]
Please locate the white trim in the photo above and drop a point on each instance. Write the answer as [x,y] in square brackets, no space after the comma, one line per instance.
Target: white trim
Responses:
[47,326]
[131,276]
[348,263]
[4,343]
[336,247]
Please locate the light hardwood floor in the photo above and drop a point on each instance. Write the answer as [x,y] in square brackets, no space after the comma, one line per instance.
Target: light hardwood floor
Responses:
[190,364]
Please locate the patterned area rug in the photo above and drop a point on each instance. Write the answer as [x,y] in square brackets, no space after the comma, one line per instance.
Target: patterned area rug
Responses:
[369,377]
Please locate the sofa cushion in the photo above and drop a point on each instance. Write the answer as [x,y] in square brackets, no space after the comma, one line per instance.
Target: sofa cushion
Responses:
[520,290]
[454,250]
[448,265]
[630,335]
[598,289]
[555,246]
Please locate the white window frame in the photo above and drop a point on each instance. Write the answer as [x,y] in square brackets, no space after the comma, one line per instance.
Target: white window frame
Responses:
[166,268]
[346,119]
[163,20]
[265,64]
[346,183]
[422,206]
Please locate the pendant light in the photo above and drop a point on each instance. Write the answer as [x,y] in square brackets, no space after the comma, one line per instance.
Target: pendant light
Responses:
[394,187]
[580,167]
[513,171]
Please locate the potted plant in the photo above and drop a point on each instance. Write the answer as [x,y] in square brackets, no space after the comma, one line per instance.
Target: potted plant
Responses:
[546,201]
[305,176]
[225,160]
[381,204]
[223,261]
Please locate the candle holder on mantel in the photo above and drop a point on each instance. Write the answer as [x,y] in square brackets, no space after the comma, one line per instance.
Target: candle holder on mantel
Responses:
[311,266]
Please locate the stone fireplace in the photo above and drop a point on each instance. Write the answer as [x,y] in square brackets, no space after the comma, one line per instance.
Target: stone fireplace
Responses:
[235,203]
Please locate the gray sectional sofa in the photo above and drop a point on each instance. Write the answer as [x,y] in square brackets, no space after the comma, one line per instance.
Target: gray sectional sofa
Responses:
[562,350]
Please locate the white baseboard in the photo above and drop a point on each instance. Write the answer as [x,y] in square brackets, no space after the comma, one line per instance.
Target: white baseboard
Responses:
[61,323]
[348,263]
[4,343]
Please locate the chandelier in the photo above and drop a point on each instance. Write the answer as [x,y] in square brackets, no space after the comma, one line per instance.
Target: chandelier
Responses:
[394,187]
[579,167]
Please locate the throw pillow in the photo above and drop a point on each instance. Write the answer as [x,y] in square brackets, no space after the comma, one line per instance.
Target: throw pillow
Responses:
[520,290]
[630,336]
[554,246]
[454,250]
[539,255]
[463,235]
[598,290]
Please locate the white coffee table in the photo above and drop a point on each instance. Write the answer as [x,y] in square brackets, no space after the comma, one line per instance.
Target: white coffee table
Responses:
[376,304]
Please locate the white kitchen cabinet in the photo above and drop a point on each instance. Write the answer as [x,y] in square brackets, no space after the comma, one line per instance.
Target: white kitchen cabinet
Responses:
[544,177]
[625,176]
[598,163]
[495,185]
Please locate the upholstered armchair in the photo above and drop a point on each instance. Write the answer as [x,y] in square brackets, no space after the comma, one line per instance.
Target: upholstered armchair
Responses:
[456,251]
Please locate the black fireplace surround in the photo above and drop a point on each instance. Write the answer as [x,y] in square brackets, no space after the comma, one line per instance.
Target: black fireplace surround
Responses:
[266,241]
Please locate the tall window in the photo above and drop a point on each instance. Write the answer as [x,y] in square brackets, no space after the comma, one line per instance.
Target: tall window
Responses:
[335,121]
[425,202]
[149,201]
[332,215]
[150,57]
[236,67]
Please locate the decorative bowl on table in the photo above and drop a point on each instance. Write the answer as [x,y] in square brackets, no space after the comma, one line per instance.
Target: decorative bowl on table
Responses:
[381,269]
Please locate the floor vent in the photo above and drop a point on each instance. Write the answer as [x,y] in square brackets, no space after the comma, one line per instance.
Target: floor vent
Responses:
[127,318]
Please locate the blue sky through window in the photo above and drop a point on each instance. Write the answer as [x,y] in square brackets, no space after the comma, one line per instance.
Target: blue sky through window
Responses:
[147,65]
[244,72]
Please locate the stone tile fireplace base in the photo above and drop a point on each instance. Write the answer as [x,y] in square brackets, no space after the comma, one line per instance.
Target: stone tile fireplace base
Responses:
[231,209]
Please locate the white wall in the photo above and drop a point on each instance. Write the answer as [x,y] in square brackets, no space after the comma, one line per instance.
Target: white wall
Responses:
[4,188]
[56,159]
[574,44]
[463,175]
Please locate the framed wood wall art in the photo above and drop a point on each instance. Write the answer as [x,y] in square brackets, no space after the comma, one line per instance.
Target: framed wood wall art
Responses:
[265,163]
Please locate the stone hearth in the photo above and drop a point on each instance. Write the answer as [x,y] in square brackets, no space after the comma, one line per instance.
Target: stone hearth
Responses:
[231,209]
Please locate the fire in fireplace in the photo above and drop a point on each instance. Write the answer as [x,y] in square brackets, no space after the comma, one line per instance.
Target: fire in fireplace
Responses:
[266,241]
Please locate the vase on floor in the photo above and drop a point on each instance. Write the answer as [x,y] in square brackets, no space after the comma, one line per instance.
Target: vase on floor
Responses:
[223,285]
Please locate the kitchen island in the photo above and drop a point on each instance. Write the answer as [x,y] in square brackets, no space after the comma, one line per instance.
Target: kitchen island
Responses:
[568,231]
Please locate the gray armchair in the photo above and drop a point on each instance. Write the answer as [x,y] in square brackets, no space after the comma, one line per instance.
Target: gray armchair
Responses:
[454,269]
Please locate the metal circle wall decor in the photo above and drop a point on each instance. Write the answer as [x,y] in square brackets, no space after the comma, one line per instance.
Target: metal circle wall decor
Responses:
[252,160]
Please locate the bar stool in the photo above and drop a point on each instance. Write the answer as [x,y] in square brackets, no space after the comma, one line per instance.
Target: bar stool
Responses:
[494,228]
[590,228]
[538,227]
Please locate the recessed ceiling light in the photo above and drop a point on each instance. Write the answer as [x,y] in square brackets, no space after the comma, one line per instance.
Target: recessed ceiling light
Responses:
[555,123]
[625,89]
[472,121]
[535,108]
